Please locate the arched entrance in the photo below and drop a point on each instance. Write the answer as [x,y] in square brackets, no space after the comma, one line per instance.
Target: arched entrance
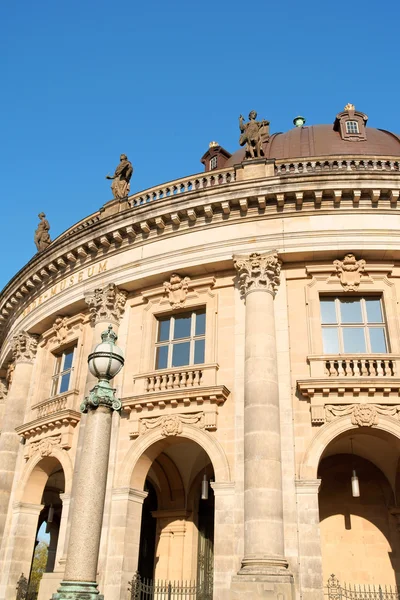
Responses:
[360,540]
[177,522]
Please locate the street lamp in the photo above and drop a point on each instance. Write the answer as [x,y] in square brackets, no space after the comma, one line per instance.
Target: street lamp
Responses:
[79,581]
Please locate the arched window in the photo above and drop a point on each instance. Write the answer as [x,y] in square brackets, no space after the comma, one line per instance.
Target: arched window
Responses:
[352,127]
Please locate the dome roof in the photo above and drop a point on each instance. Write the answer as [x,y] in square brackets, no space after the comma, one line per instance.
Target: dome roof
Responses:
[323,140]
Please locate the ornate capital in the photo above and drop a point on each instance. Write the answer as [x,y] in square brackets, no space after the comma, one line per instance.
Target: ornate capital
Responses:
[24,347]
[106,304]
[349,272]
[177,289]
[258,272]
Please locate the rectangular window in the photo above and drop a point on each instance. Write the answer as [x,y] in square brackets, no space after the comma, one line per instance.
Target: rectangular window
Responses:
[181,340]
[213,163]
[353,325]
[352,127]
[63,371]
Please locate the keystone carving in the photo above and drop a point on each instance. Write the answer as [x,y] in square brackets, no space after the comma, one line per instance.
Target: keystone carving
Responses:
[363,415]
[106,304]
[177,289]
[24,347]
[258,272]
[349,271]
[44,447]
[172,424]
[60,328]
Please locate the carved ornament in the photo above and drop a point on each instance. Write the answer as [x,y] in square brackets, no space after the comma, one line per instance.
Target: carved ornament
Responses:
[349,271]
[24,347]
[60,328]
[106,304]
[258,272]
[172,424]
[176,289]
[363,415]
[3,389]
[44,447]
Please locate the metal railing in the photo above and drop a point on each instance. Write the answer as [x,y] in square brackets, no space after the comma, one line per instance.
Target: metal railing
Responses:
[334,590]
[146,589]
[26,590]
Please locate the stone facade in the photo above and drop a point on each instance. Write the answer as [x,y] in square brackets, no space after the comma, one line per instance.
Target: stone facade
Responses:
[226,377]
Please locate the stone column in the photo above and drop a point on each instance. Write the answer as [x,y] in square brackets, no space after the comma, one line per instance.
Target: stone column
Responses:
[62,534]
[264,558]
[310,554]
[23,347]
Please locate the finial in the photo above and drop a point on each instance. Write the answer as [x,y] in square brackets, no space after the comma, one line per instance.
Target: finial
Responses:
[109,335]
[349,107]
[213,145]
[299,121]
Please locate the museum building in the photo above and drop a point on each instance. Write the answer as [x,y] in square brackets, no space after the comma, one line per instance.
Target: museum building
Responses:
[257,448]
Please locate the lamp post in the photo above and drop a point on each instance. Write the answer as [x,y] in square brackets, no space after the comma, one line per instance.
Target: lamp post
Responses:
[83,550]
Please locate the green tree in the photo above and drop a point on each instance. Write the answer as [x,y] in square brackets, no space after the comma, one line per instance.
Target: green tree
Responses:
[39,564]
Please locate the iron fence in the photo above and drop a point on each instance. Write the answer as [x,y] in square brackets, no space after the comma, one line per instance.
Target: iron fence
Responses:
[25,590]
[147,589]
[336,591]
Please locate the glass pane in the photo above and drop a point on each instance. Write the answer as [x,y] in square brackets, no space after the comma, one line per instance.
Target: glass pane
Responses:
[180,354]
[163,330]
[182,327]
[374,310]
[64,386]
[162,357]
[68,359]
[331,340]
[328,313]
[354,340]
[350,310]
[199,352]
[200,323]
[377,339]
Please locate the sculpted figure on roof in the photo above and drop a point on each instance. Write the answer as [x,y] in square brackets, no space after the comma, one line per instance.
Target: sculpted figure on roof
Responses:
[251,135]
[42,236]
[120,186]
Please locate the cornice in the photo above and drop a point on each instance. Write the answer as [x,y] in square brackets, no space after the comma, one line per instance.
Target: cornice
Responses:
[119,226]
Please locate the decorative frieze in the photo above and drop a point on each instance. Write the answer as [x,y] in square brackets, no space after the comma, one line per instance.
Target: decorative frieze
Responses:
[349,271]
[176,289]
[258,272]
[49,431]
[361,414]
[106,304]
[172,425]
[24,347]
[43,447]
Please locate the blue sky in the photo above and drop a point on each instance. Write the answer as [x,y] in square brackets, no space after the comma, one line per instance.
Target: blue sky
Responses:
[84,81]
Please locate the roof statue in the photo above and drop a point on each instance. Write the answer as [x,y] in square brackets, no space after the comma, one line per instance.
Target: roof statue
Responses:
[42,236]
[120,186]
[252,133]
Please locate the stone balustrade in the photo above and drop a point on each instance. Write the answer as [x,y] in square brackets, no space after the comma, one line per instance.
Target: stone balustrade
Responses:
[284,167]
[51,406]
[349,365]
[178,378]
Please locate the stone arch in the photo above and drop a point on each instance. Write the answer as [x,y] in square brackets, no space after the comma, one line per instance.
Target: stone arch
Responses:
[36,472]
[141,455]
[309,465]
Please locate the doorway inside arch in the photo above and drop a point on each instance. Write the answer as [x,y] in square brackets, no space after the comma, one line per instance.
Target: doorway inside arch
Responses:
[177,523]
[359,534]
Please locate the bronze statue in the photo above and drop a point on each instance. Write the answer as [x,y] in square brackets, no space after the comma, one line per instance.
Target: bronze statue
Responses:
[120,186]
[42,236]
[251,135]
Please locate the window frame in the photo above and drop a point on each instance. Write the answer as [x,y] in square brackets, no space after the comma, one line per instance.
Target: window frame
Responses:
[59,374]
[350,123]
[192,338]
[365,324]
[213,163]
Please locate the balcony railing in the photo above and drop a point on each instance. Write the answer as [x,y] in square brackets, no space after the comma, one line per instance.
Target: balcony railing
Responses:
[67,400]
[351,365]
[176,379]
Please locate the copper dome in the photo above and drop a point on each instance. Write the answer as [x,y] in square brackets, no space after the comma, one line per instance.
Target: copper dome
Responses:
[323,140]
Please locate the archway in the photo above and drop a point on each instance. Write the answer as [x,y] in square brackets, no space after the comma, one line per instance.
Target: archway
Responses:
[359,537]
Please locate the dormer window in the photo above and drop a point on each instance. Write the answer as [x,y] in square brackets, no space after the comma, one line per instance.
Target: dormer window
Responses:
[213,163]
[352,127]
[351,124]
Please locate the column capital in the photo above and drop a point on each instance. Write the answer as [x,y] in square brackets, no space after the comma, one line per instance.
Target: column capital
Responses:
[258,272]
[106,304]
[24,347]
[223,488]
[307,486]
